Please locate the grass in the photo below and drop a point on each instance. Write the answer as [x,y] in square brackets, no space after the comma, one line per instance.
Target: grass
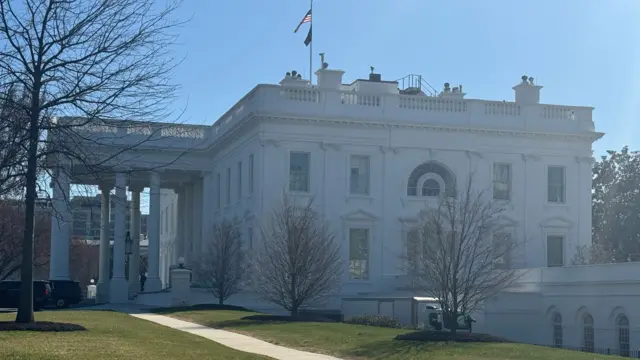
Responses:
[367,342]
[109,335]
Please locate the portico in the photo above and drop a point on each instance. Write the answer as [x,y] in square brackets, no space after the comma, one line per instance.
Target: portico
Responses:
[152,164]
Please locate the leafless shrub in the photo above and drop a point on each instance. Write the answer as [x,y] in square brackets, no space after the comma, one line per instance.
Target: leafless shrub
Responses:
[299,263]
[457,254]
[223,267]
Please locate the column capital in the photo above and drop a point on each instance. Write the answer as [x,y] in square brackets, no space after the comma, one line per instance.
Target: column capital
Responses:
[136,188]
[106,186]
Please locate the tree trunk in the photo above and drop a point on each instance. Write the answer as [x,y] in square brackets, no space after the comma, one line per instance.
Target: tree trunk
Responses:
[25,308]
[220,300]
[294,312]
[453,323]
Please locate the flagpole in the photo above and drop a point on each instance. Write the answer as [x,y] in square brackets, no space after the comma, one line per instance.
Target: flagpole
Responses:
[311,47]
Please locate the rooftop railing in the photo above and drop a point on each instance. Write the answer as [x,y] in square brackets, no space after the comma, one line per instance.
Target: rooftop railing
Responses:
[306,102]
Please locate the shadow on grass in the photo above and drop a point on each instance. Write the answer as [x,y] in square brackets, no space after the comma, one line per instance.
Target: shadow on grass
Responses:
[42,326]
[253,320]
[175,309]
[384,349]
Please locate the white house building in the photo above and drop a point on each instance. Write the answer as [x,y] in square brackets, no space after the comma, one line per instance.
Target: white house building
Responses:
[372,154]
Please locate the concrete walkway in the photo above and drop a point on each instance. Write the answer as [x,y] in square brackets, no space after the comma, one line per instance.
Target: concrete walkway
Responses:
[234,340]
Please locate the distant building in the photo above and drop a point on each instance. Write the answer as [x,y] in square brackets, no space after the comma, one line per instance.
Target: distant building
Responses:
[86,214]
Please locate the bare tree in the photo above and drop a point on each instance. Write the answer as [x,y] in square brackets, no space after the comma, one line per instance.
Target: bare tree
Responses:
[299,263]
[223,267]
[98,61]
[11,229]
[595,253]
[459,253]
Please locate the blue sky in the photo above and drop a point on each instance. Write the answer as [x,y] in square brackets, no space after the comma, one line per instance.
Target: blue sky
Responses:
[582,52]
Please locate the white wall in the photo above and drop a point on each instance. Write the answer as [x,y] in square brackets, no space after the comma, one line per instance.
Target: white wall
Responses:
[394,153]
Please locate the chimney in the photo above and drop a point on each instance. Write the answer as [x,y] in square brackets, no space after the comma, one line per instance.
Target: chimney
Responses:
[527,93]
[329,79]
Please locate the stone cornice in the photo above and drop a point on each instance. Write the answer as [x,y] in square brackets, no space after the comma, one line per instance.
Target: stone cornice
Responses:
[514,133]
[530,157]
[327,146]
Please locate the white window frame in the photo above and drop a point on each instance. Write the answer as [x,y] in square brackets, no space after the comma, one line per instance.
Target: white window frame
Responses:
[564,184]
[564,248]
[430,176]
[558,333]
[509,184]
[623,334]
[239,180]
[508,262]
[588,332]
[368,229]
[218,190]
[308,180]
[251,173]
[367,190]
[228,186]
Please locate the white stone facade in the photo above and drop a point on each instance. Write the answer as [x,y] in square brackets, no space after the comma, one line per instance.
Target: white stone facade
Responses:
[372,156]
[396,143]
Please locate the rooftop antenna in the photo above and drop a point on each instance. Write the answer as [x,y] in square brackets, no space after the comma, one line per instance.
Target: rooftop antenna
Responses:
[372,68]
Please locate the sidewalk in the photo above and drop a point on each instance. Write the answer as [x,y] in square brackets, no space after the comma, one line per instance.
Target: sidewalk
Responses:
[233,340]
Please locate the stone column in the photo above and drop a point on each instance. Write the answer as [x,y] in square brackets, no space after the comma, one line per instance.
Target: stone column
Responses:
[197,224]
[181,225]
[118,291]
[102,294]
[188,229]
[60,227]
[205,210]
[134,260]
[153,282]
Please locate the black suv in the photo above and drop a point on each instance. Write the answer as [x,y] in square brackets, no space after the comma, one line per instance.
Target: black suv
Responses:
[10,294]
[65,292]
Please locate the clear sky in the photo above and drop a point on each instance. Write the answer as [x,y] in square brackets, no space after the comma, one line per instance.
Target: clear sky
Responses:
[582,52]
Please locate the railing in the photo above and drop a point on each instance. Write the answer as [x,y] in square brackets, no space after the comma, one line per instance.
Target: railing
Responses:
[314,102]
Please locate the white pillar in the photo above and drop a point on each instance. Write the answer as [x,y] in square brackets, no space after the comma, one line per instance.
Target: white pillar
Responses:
[60,226]
[119,288]
[134,232]
[205,211]
[105,249]
[181,226]
[188,238]
[197,224]
[153,282]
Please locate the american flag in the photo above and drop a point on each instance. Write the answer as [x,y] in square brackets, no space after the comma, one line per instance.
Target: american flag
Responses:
[306,19]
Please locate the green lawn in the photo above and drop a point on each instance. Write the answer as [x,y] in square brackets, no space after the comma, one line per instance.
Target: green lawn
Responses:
[366,342]
[110,336]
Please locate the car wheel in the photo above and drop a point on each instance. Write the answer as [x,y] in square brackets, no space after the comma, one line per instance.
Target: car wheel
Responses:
[60,303]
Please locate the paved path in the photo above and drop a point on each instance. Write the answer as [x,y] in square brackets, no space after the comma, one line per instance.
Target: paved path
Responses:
[234,340]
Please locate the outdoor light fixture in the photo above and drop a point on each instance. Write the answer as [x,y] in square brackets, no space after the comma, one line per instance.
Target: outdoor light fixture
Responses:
[181,262]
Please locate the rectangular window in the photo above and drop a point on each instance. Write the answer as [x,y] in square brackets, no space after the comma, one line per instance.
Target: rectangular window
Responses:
[502,245]
[555,250]
[218,190]
[228,186]
[299,171]
[414,244]
[359,254]
[502,181]
[556,184]
[239,180]
[251,174]
[250,238]
[359,176]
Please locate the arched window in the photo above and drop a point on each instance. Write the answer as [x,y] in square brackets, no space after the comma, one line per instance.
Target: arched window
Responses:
[557,330]
[623,335]
[434,168]
[431,188]
[587,332]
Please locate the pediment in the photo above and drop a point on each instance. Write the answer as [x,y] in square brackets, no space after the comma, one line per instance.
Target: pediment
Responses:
[556,222]
[359,215]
